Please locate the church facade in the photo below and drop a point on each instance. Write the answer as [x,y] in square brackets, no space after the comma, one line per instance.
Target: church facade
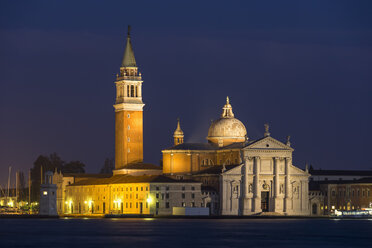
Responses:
[266,181]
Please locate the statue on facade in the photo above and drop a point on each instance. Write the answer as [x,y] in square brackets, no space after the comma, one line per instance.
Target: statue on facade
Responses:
[288,143]
[267,133]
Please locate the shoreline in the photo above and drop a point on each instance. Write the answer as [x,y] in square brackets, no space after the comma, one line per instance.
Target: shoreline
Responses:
[112,216]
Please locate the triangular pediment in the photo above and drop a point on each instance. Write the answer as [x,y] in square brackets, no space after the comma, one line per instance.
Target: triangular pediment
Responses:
[298,171]
[268,143]
[234,171]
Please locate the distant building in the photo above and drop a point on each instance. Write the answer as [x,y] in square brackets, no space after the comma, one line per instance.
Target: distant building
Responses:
[330,195]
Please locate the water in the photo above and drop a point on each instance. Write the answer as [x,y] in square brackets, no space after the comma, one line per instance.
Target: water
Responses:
[185,233]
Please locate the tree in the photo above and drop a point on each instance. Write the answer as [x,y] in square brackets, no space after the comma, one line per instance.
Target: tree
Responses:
[73,167]
[56,161]
[108,166]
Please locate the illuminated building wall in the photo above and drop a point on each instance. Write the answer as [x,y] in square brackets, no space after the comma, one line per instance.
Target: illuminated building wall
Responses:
[91,197]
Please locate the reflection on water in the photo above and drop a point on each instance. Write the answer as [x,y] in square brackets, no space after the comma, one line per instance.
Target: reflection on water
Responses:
[152,232]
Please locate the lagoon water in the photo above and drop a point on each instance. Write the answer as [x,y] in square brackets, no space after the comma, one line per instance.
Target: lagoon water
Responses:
[185,233]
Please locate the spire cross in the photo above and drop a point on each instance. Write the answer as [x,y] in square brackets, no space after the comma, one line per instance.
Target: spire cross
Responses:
[227,100]
[128,30]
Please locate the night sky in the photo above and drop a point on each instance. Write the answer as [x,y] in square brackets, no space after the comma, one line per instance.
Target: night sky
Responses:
[305,67]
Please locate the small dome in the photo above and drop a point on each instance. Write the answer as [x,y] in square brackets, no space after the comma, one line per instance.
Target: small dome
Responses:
[227,129]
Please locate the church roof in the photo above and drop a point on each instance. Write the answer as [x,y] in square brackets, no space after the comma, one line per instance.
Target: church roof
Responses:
[340,172]
[314,185]
[141,166]
[205,146]
[216,169]
[85,175]
[128,59]
[118,179]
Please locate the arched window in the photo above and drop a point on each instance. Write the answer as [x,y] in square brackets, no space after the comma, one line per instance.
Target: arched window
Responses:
[128,91]
[132,90]
[136,91]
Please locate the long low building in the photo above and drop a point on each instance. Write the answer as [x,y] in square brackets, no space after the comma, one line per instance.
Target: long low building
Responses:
[126,194]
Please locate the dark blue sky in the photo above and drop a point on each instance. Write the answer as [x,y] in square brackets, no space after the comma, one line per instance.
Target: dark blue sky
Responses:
[302,66]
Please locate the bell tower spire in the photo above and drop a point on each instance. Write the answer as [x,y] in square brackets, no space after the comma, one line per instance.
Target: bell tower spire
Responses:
[128,110]
[178,134]
[128,58]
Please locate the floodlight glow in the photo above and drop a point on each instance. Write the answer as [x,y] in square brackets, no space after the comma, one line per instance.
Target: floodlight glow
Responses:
[149,200]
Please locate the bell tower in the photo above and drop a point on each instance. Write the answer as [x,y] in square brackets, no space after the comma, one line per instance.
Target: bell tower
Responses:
[128,111]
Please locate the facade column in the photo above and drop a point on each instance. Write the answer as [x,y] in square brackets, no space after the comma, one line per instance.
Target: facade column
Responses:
[247,201]
[287,186]
[278,200]
[257,188]
[225,197]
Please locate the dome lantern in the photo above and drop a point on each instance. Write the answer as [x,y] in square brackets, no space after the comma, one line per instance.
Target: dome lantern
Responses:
[227,129]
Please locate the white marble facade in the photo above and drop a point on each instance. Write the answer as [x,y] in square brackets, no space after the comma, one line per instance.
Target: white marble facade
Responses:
[266,181]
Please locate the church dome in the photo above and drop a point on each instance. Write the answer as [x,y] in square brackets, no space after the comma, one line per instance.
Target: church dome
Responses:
[227,129]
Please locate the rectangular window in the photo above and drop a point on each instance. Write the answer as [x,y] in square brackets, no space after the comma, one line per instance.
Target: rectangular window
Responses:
[136,188]
[183,187]
[126,205]
[192,195]
[157,195]
[183,195]
[192,188]
[136,204]
[141,188]
[130,205]
[167,188]
[162,196]
[157,205]
[136,196]
[167,204]
[167,195]
[157,188]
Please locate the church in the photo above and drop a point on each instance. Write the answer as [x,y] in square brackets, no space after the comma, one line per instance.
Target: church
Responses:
[230,174]
[250,176]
